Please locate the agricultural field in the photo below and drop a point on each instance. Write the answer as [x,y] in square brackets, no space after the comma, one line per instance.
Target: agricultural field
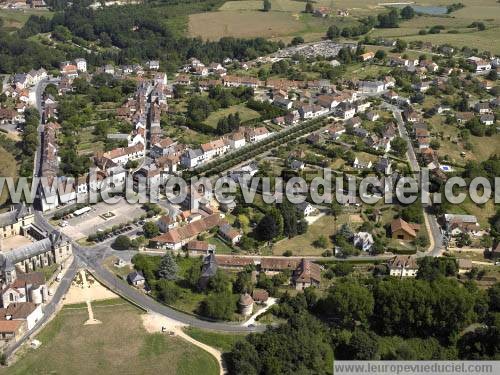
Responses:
[120,345]
[286,20]
[245,19]
[486,11]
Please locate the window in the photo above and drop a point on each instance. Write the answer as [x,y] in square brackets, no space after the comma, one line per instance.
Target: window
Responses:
[11,297]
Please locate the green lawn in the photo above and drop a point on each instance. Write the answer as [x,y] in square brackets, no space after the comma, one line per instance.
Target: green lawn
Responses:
[451,145]
[220,341]
[245,114]
[303,244]
[16,18]
[120,345]
[8,168]
[222,247]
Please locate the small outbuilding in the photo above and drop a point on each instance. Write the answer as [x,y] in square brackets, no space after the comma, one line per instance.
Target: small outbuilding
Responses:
[245,304]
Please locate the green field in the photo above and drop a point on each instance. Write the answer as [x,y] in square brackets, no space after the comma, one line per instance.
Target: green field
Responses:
[245,114]
[245,19]
[286,20]
[452,146]
[16,18]
[486,11]
[8,168]
[120,345]
[303,244]
[220,341]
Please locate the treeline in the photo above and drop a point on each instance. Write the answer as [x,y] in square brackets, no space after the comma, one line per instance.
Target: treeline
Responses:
[388,319]
[18,54]
[141,33]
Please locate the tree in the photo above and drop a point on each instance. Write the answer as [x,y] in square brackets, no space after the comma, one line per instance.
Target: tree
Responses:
[414,308]
[193,274]
[407,12]
[297,40]
[61,33]
[300,346]
[243,283]
[413,213]
[363,345]
[380,54]
[342,269]
[267,228]
[430,268]
[348,304]
[150,229]
[400,46]
[168,291]
[218,306]
[321,242]
[494,297]
[480,344]
[266,6]
[168,268]
[399,146]
[121,243]
[335,209]
[421,241]
[463,239]
[345,232]
[333,32]
[309,7]
[219,283]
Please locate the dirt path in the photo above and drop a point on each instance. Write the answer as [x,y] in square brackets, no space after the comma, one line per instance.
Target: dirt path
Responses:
[154,323]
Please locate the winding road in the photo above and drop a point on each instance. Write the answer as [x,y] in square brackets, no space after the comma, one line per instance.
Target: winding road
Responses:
[91,258]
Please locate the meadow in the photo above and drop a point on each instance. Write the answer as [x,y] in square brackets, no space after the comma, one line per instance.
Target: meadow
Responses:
[286,19]
[120,345]
[16,18]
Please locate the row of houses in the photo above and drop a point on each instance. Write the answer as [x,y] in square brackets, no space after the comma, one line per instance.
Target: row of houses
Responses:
[193,157]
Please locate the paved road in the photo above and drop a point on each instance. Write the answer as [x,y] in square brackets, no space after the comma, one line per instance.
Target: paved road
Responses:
[50,308]
[435,230]
[91,258]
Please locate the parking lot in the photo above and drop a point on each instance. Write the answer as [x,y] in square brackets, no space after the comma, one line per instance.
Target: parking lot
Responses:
[101,217]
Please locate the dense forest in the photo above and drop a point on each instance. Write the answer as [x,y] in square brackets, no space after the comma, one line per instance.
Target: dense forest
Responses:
[392,319]
[123,34]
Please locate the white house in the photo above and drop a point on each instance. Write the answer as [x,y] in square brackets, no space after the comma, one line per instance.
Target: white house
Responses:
[371,87]
[192,157]
[363,241]
[360,163]
[256,134]
[81,64]
[403,266]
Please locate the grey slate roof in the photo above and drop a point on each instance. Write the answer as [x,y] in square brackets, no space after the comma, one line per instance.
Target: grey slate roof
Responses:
[135,277]
[209,268]
[9,259]
[18,212]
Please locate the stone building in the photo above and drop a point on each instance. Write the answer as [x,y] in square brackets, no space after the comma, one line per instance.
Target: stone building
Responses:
[16,221]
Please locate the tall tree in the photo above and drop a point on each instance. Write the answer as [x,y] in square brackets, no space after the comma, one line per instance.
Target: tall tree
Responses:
[407,12]
[168,268]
